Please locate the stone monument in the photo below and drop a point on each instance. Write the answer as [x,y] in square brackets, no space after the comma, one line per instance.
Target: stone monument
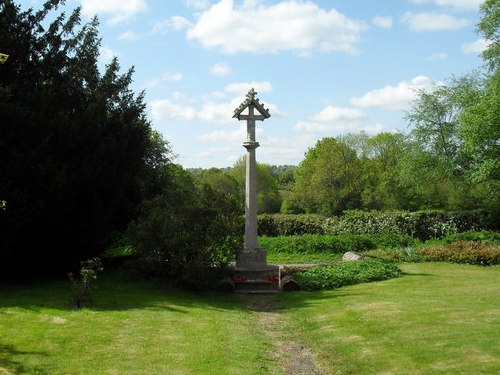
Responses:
[252,274]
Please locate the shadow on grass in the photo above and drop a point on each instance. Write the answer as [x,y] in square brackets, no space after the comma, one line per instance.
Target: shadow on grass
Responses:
[113,293]
[292,300]
[10,365]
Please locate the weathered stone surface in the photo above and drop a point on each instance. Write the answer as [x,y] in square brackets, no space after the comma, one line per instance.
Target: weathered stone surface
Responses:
[289,284]
[350,256]
[227,285]
[259,280]
[251,258]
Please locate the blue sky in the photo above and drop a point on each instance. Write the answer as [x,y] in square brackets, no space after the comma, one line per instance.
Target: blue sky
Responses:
[323,68]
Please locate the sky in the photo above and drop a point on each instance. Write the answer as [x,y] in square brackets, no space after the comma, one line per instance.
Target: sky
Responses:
[322,68]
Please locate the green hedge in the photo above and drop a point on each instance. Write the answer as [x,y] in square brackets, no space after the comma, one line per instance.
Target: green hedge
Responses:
[290,225]
[312,243]
[422,225]
[347,273]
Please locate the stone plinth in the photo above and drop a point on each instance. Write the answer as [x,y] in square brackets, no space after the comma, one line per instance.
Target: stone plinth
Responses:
[265,279]
[251,258]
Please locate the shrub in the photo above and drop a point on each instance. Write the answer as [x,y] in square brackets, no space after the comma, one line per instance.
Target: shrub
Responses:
[469,252]
[185,231]
[392,240]
[290,225]
[483,236]
[347,273]
[311,243]
[80,287]
[421,225]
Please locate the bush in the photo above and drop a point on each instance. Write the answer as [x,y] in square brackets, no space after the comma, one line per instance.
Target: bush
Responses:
[290,225]
[483,236]
[185,231]
[81,286]
[421,225]
[347,273]
[392,240]
[311,243]
[469,252]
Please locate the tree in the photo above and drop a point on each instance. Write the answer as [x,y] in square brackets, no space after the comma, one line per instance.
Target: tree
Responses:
[480,131]
[434,168]
[186,229]
[220,181]
[75,144]
[381,187]
[328,179]
[268,197]
[489,26]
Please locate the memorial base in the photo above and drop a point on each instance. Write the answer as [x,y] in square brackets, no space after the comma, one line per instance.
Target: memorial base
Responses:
[252,274]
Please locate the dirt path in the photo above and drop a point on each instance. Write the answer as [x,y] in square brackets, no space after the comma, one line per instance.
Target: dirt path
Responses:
[296,359]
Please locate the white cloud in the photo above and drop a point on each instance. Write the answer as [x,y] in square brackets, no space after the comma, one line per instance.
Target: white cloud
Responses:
[382,22]
[236,136]
[331,113]
[220,70]
[476,47]
[394,97]
[164,109]
[433,21]
[332,119]
[438,56]
[214,108]
[106,54]
[119,10]
[166,77]
[286,25]
[179,23]
[128,36]
[198,4]
[241,88]
[338,128]
[172,23]
[462,4]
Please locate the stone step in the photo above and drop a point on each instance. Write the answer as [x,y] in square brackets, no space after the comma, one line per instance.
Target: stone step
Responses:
[264,279]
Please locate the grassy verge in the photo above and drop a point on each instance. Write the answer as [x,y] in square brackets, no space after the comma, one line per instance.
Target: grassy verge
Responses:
[438,319]
[133,328]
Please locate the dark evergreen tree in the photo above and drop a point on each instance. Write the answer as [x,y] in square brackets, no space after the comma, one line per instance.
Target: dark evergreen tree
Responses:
[75,144]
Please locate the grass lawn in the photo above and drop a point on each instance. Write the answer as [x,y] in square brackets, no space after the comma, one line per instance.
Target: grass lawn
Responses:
[437,319]
[132,328]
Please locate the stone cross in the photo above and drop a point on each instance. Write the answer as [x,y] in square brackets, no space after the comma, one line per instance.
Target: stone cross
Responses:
[252,255]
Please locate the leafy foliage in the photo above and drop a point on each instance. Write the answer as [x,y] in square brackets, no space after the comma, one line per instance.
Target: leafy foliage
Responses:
[421,225]
[81,287]
[489,27]
[317,243]
[75,144]
[347,273]
[185,230]
[290,225]
[268,197]
[469,252]
[401,228]
[484,236]
[327,180]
